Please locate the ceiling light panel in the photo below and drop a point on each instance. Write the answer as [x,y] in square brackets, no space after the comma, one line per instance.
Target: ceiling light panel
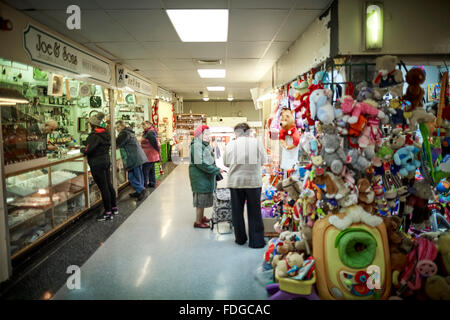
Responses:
[200,25]
[215,88]
[211,73]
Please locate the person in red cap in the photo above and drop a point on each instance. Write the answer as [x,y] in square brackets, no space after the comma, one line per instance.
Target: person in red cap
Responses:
[202,174]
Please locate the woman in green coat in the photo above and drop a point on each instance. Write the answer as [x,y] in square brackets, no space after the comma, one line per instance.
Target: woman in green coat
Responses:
[202,174]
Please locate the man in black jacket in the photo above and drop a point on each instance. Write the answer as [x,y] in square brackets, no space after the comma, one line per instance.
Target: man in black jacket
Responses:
[97,148]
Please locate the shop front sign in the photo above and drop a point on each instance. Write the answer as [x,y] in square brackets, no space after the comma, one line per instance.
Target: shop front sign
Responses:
[127,80]
[47,49]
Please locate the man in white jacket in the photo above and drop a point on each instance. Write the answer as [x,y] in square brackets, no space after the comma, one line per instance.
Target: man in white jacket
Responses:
[245,156]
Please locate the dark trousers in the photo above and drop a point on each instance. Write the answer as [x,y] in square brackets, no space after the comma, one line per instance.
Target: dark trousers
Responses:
[255,223]
[102,178]
[149,174]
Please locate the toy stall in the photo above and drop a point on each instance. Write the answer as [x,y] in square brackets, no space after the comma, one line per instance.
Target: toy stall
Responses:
[357,188]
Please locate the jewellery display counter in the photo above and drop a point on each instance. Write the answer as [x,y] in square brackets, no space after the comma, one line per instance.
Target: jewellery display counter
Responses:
[42,199]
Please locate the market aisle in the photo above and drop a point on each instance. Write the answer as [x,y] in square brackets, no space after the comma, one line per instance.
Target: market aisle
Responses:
[157,254]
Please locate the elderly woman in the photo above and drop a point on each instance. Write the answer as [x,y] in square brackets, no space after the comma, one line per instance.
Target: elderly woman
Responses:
[202,174]
[244,156]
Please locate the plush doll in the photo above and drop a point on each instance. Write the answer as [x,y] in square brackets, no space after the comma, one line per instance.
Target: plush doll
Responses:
[332,153]
[305,244]
[289,266]
[288,128]
[417,204]
[321,107]
[395,140]
[282,248]
[396,113]
[360,161]
[405,158]
[355,108]
[438,287]
[290,185]
[419,115]
[380,199]
[399,246]
[366,196]
[388,78]
[335,187]
[415,93]
[365,92]
[371,135]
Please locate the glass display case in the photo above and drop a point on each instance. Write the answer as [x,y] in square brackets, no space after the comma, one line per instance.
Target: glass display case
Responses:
[41,199]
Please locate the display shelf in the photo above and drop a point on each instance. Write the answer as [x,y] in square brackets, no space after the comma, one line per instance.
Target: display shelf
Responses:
[15,226]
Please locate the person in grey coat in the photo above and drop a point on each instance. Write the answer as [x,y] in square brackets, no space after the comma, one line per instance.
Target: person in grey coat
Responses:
[133,158]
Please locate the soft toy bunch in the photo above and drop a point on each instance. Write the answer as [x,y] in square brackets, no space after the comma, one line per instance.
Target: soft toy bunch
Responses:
[289,255]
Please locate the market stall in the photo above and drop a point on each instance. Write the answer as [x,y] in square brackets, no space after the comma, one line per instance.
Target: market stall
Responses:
[358,191]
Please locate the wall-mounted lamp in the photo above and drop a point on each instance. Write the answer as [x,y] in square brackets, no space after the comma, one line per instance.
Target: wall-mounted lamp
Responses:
[230,97]
[373,25]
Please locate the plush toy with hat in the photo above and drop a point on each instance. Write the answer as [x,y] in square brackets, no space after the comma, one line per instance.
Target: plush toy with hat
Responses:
[388,78]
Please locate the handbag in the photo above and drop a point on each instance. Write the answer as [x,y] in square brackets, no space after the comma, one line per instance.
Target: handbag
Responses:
[219,177]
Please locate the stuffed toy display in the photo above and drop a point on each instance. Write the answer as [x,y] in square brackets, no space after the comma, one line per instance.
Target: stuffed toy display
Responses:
[362,199]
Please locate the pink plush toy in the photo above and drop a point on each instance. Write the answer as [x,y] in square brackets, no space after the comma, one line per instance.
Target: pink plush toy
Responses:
[355,108]
[371,134]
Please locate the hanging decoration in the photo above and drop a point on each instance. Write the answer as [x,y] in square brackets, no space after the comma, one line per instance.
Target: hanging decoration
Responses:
[155,115]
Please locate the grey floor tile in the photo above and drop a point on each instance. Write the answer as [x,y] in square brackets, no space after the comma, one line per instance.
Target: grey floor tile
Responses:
[157,254]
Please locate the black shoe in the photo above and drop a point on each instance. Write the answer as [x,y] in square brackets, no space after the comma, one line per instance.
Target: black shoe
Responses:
[141,195]
[134,195]
[151,186]
[258,246]
[104,217]
[115,211]
[240,243]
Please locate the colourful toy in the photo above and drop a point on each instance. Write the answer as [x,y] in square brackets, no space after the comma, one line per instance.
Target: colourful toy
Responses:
[321,107]
[351,254]
[405,158]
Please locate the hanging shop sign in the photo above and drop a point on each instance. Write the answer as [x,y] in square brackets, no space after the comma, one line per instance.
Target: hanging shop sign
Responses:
[47,49]
[164,94]
[128,80]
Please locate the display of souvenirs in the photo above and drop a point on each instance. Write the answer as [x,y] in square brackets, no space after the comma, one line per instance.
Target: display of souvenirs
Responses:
[360,207]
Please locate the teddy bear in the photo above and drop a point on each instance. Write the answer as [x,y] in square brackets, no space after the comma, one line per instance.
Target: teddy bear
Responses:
[334,186]
[366,196]
[396,139]
[290,185]
[360,161]
[417,205]
[305,244]
[288,128]
[332,153]
[399,245]
[414,92]
[364,92]
[405,159]
[282,248]
[419,115]
[290,265]
[438,287]
[388,78]
[320,106]
[355,108]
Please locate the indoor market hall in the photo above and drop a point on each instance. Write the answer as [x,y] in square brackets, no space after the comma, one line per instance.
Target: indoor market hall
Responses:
[211,158]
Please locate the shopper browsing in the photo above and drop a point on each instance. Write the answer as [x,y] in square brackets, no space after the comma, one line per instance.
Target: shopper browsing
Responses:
[202,174]
[97,152]
[133,158]
[244,156]
[151,147]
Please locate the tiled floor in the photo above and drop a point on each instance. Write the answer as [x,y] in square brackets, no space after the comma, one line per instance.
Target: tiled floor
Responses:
[157,254]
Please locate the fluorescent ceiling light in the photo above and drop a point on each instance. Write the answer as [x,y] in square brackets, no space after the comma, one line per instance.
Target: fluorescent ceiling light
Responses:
[211,73]
[215,88]
[206,25]
[230,98]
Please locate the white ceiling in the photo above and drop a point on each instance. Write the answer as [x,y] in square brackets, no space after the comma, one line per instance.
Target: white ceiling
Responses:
[138,33]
